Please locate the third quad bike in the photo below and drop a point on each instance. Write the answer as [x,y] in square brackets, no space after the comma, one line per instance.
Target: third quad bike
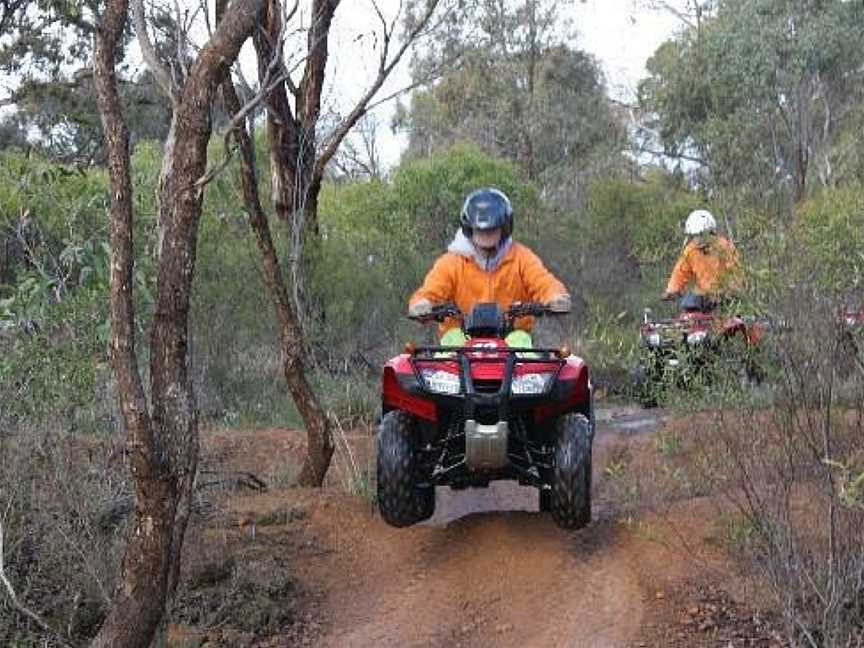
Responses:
[685,348]
[465,416]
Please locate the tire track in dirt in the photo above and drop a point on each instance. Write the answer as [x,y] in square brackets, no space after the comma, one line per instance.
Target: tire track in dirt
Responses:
[474,577]
[507,579]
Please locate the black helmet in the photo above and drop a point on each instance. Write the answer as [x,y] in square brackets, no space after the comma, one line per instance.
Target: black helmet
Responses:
[487,209]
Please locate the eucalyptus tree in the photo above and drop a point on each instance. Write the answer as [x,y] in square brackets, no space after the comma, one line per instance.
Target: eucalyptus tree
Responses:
[755,91]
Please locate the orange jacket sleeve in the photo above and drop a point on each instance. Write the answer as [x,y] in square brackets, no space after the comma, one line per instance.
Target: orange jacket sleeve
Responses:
[540,284]
[682,273]
[439,286]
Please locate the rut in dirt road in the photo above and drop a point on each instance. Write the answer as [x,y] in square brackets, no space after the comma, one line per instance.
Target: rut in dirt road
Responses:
[485,571]
[504,579]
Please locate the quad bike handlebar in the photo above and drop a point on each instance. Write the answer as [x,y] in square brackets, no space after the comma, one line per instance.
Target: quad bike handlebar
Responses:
[439,313]
[442,312]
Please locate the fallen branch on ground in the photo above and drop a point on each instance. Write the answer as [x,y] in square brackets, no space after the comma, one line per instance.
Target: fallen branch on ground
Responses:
[20,606]
[239,479]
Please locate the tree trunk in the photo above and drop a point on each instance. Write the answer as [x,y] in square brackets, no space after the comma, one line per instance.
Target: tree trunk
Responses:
[164,446]
[295,187]
[138,603]
[297,169]
[319,439]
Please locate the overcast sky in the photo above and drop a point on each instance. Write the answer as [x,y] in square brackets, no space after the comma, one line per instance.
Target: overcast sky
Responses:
[622,37]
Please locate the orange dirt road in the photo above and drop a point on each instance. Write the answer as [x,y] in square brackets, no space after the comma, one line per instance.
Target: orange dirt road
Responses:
[487,569]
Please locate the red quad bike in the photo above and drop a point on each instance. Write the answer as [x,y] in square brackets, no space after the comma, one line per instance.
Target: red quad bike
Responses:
[465,416]
[685,348]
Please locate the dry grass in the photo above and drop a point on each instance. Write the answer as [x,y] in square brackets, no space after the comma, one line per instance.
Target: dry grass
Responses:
[65,501]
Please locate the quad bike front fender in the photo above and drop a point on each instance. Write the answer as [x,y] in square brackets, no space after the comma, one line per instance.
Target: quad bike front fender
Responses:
[573,392]
[396,396]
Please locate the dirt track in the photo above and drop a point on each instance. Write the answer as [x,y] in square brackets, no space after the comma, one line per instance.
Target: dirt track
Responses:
[510,579]
[487,571]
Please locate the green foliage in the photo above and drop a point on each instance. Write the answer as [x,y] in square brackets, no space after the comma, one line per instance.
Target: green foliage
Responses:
[514,86]
[60,369]
[52,296]
[830,234]
[45,56]
[368,260]
[632,234]
[565,117]
[431,190]
[754,90]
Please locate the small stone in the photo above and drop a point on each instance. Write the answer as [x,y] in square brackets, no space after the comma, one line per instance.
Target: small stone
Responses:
[659,596]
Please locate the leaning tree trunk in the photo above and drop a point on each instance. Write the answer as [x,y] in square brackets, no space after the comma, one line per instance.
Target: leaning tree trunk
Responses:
[163,446]
[290,333]
[297,170]
[295,188]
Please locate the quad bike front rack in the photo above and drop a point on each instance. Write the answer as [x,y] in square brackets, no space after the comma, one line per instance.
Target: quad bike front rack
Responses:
[486,445]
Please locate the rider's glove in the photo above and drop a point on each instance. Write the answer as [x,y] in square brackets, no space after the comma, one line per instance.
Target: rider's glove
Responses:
[420,308]
[559,303]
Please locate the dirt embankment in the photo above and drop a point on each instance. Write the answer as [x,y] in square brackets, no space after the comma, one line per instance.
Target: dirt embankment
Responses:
[488,570]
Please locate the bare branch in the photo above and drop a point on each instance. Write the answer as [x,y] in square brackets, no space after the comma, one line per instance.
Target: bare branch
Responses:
[151,58]
[235,122]
[20,606]
[381,18]
[362,106]
[286,18]
[207,24]
[674,156]
[408,88]
[245,88]
[661,5]
[179,39]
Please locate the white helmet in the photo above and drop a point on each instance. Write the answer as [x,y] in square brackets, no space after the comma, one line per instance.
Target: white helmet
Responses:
[699,222]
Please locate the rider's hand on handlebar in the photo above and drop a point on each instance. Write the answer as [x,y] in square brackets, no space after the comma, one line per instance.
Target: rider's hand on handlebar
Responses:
[421,308]
[526,309]
[669,296]
[559,303]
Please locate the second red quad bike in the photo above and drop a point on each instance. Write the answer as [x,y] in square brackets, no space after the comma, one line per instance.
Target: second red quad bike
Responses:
[465,416]
[686,349]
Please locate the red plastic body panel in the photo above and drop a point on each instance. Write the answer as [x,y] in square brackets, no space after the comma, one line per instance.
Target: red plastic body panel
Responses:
[688,323]
[575,372]
[393,396]
[480,370]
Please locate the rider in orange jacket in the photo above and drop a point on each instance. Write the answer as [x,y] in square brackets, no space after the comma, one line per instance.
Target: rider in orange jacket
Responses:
[485,264]
[709,262]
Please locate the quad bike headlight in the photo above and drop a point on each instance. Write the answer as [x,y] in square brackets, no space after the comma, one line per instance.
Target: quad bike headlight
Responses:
[697,338]
[652,339]
[441,382]
[530,383]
